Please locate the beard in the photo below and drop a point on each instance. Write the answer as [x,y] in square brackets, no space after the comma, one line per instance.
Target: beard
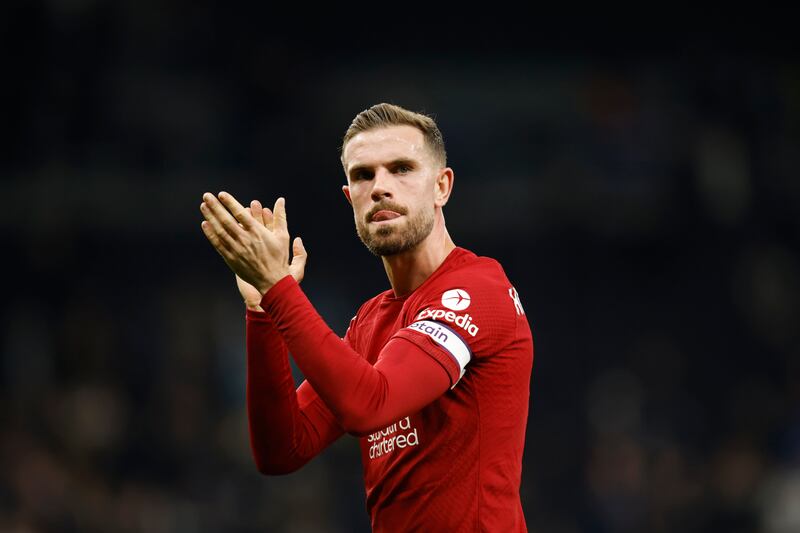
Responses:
[396,238]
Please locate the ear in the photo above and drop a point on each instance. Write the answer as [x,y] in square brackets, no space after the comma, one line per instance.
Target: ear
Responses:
[443,187]
[346,191]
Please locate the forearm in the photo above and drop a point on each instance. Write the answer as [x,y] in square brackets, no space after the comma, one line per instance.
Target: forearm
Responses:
[282,437]
[363,397]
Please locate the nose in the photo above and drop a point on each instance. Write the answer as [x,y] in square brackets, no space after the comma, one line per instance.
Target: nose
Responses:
[381,185]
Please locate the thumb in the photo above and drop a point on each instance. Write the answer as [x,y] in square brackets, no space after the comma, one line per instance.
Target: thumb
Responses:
[298,250]
[299,257]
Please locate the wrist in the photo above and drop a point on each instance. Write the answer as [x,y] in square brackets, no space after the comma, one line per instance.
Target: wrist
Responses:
[267,284]
[264,288]
[276,290]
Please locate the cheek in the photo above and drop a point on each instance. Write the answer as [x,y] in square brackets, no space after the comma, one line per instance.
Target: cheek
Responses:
[425,197]
[359,194]
[360,207]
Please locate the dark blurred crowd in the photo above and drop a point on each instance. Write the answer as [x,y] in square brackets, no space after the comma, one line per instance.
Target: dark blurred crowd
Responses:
[644,205]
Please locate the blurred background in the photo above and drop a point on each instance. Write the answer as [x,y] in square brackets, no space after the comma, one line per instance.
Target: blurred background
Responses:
[640,187]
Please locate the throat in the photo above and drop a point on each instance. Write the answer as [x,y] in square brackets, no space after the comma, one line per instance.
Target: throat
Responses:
[408,270]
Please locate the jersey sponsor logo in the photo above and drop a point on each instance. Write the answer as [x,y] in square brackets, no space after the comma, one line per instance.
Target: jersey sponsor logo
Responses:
[462,321]
[456,299]
[397,436]
[512,292]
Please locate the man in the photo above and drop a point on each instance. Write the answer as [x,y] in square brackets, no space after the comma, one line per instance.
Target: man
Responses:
[432,375]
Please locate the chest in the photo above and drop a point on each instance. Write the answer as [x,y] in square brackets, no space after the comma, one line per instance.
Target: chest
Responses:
[375,329]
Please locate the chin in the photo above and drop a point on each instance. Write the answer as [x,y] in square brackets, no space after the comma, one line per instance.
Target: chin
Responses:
[383,245]
[385,231]
[392,239]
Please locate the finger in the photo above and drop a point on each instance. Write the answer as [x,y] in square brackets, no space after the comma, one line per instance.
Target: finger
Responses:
[225,227]
[257,219]
[213,229]
[268,218]
[216,213]
[279,212]
[255,210]
[219,245]
[236,209]
[213,237]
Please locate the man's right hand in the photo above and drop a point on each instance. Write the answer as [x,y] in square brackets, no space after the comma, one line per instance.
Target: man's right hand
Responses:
[251,296]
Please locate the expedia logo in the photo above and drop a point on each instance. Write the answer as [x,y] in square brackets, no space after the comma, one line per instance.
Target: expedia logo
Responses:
[462,321]
[456,299]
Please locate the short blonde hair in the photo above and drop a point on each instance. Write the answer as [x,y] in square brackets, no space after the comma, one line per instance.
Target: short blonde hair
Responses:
[383,115]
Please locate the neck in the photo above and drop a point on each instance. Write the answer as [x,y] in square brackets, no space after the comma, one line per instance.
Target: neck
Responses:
[408,270]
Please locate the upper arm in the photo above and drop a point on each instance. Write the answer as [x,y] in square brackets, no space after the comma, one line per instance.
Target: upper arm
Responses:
[411,370]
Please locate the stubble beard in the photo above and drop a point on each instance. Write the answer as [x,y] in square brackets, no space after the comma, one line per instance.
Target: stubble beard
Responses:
[393,239]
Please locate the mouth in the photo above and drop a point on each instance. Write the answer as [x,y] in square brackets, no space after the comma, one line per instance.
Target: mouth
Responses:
[384,215]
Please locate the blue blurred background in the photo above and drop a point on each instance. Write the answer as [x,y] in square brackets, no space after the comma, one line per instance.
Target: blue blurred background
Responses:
[640,187]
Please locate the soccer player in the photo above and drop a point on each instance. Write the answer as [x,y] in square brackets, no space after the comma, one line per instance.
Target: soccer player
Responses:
[432,375]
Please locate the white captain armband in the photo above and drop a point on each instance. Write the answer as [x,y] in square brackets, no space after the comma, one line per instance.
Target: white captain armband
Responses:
[448,339]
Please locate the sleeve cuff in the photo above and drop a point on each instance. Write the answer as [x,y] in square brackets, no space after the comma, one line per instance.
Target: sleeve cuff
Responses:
[286,283]
[257,316]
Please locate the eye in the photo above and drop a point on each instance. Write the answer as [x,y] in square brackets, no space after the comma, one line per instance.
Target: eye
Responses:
[402,169]
[362,175]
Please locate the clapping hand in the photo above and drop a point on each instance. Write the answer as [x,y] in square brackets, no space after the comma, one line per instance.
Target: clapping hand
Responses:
[253,242]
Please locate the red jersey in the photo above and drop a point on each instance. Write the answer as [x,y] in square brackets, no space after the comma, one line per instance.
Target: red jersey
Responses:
[455,464]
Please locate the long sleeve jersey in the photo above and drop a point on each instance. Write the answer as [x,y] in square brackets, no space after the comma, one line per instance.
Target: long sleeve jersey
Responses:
[435,385]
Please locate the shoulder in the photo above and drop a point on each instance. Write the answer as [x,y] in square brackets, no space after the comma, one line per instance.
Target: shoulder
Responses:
[482,275]
[474,297]
[482,269]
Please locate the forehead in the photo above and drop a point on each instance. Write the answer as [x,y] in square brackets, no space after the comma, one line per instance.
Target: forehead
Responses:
[385,144]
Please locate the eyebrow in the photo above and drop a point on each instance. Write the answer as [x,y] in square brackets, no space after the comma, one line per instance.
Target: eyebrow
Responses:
[394,162]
